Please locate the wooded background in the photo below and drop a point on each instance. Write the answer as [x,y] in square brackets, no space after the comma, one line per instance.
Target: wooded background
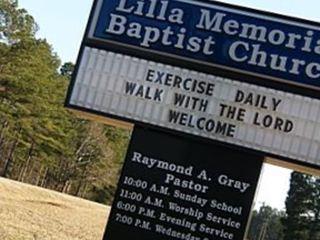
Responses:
[41,142]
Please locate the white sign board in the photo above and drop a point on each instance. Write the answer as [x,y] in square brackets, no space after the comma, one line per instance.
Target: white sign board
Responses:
[205,105]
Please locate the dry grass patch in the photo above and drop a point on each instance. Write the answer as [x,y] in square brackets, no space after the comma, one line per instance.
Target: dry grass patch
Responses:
[32,213]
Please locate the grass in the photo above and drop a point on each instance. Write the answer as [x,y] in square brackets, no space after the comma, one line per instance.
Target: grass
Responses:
[32,213]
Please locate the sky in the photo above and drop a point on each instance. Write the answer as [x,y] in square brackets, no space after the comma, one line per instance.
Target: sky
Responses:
[62,23]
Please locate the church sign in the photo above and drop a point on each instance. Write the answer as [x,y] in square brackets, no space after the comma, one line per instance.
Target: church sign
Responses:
[214,34]
[212,90]
[204,105]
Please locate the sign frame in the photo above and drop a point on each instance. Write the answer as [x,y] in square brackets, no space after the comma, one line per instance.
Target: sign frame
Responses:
[202,66]
[116,120]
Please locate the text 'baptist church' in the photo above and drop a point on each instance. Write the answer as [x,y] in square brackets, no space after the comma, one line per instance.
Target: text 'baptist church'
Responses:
[240,51]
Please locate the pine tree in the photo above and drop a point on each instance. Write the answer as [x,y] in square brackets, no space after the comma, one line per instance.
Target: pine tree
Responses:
[266,224]
[297,221]
[15,24]
[314,228]
[67,69]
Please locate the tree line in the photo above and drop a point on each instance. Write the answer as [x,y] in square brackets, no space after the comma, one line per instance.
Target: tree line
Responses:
[301,218]
[41,142]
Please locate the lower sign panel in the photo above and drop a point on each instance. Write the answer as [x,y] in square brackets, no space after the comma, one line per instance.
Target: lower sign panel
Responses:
[176,188]
[204,105]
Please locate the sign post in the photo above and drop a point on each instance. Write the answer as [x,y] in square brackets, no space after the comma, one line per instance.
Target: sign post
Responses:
[177,188]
